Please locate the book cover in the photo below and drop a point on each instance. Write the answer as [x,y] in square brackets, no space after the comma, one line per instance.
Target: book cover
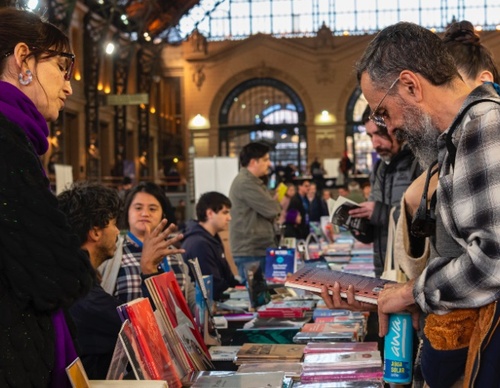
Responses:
[341,217]
[242,380]
[280,263]
[171,337]
[366,289]
[201,304]
[77,375]
[341,384]
[291,369]
[333,328]
[119,361]
[271,351]
[343,360]
[327,347]
[129,341]
[304,337]
[289,304]
[175,305]
[279,323]
[223,353]
[267,335]
[204,285]
[157,360]
[354,374]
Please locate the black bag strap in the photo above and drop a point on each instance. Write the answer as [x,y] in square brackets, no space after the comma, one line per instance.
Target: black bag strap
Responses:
[452,150]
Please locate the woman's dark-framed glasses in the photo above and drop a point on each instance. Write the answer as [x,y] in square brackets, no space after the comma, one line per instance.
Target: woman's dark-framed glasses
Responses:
[374,116]
[68,72]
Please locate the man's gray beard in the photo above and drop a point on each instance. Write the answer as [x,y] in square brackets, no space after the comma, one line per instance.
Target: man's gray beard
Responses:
[420,134]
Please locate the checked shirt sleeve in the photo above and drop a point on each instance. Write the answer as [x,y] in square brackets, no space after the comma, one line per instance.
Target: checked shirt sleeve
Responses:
[469,204]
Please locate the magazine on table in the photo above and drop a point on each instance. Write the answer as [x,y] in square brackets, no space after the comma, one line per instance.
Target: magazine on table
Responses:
[341,217]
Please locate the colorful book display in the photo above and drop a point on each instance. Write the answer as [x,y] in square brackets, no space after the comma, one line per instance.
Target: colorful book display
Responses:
[366,289]
[183,334]
[145,346]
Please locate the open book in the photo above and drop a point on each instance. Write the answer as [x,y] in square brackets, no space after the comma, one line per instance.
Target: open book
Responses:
[341,217]
[366,288]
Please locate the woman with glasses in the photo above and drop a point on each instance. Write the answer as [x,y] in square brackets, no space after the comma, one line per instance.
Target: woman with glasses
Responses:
[42,270]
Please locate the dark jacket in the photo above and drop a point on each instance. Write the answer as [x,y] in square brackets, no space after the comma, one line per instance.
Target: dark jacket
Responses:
[302,205]
[317,209]
[42,268]
[97,326]
[389,182]
[210,253]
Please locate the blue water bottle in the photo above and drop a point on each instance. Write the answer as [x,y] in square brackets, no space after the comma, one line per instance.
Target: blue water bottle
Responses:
[398,349]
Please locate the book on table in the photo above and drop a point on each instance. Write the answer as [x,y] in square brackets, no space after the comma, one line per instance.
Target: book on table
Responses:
[366,288]
[341,217]
[251,352]
[242,380]
[204,303]
[305,337]
[223,352]
[291,369]
[340,347]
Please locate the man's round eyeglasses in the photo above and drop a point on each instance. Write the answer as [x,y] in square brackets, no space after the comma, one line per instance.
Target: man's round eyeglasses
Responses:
[375,116]
[68,71]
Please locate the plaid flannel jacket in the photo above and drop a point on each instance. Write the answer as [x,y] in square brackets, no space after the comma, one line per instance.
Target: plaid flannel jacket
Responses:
[469,204]
[129,281]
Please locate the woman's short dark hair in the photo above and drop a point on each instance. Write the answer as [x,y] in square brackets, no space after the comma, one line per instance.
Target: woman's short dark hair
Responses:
[151,189]
[212,200]
[22,26]
[88,205]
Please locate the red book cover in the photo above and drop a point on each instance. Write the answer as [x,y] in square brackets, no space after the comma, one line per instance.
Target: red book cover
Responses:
[280,314]
[154,352]
[176,306]
[366,288]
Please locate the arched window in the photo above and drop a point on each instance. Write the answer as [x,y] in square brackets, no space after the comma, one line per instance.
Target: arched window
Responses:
[264,109]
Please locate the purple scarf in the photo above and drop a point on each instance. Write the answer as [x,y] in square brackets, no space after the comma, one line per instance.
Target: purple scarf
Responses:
[19,109]
[65,351]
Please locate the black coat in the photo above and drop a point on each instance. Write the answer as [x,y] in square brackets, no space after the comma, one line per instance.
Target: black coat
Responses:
[42,268]
[97,326]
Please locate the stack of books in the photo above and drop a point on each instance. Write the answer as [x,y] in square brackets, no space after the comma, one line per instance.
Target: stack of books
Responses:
[269,330]
[241,380]
[287,309]
[341,362]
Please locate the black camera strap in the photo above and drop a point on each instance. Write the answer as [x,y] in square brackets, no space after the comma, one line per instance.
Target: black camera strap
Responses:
[423,221]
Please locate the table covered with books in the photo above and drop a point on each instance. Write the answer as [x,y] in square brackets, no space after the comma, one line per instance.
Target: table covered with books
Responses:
[291,341]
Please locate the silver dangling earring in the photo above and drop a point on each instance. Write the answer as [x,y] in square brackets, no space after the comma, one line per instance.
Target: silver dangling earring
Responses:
[27,80]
